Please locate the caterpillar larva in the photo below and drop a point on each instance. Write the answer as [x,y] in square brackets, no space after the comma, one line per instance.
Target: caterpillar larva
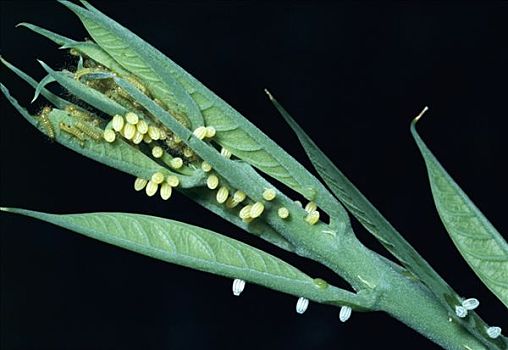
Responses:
[90,130]
[46,123]
[71,130]
[81,115]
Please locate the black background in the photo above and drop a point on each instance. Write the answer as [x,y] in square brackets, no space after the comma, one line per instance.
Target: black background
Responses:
[353,75]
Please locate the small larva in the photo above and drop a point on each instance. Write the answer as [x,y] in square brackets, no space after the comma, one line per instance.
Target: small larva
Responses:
[109,135]
[206,167]
[238,287]
[157,178]
[132,118]
[460,311]
[310,207]
[212,181]
[470,304]
[222,194]
[73,132]
[283,213]
[200,132]
[345,313]
[173,181]
[46,123]
[151,188]
[166,191]
[118,122]
[210,131]
[494,332]
[139,184]
[257,209]
[157,152]
[269,194]
[176,163]
[301,305]
[313,217]
[90,131]
[245,212]
[78,114]
[225,153]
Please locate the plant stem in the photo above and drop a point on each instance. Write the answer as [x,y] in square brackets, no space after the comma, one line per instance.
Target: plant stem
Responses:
[400,296]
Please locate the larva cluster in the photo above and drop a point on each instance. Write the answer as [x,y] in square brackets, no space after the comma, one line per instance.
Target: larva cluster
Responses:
[81,115]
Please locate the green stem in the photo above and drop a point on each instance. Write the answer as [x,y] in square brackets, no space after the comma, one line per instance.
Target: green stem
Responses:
[400,296]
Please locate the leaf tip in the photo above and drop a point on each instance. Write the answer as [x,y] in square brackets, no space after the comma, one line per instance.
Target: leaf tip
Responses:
[4,209]
[22,24]
[418,117]
[269,95]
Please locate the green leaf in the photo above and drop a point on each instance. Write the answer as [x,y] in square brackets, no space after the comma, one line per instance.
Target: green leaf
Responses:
[54,99]
[234,132]
[87,48]
[119,155]
[57,38]
[197,248]
[42,85]
[141,60]
[481,245]
[85,93]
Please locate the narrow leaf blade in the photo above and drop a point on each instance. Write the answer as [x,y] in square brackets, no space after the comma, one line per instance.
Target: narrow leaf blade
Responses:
[477,240]
[198,248]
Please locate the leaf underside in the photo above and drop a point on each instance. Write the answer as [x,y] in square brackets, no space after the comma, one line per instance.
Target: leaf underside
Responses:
[477,240]
[198,248]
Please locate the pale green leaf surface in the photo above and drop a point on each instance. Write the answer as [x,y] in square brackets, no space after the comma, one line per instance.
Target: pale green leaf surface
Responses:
[481,245]
[197,248]
[138,58]
[234,132]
